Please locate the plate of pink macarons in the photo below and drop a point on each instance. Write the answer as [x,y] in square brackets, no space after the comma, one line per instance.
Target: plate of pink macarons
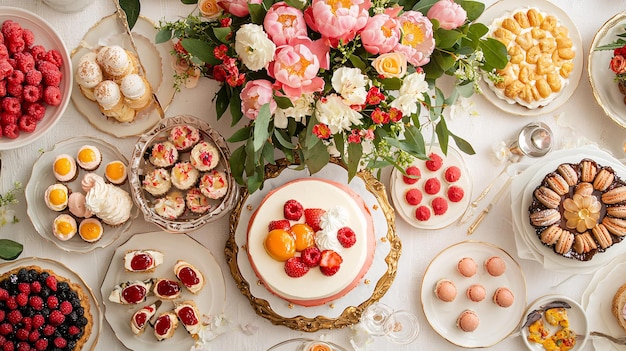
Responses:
[473,294]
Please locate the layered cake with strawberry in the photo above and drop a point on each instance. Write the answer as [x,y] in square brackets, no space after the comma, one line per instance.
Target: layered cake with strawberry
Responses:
[311,241]
[432,193]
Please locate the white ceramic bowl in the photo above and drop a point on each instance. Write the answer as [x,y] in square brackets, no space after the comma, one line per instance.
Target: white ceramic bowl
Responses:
[47,36]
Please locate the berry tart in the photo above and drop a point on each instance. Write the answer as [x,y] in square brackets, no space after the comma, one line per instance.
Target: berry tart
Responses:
[43,311]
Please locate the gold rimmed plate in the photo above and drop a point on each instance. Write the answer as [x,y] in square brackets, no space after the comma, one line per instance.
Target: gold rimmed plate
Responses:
[344,311]
[210,300]
[64,271]
[301,343]
[601,77]
[501,8]
[496,323]
[155,58]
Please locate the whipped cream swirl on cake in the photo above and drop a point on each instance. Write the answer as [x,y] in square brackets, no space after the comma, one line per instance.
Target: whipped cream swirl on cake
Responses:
[110,203]
[331,221]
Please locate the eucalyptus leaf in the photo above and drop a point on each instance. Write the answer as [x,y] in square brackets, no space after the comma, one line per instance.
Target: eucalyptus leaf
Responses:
[221,101]
[251,157]
[424,5]
[200,49]
[189,2]
[300,5]
[268,153]
[282,139]
[355,152]
[357,62]
[442,135]
[131,8]
[240,135]
[495,53]
[261,125]
[257,13]
[465,90]
[237,163]
[473,8]
[478,29]
[255,180]
[283,102]
[163,36]
[222,33]
[392,83]
[10,250]
[446,39]
[235,109]
[316,158]
[463,145]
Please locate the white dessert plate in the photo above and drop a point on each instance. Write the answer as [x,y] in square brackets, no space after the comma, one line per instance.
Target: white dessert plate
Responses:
[496,322]
[299,343]
[601,77]
[41,177]
[578,322]
[336,313]
[155,58]
[455,209]
[64,271]
[598,306]
[188,221]
[210,300]
[47,36]
[499,9]
[522,189]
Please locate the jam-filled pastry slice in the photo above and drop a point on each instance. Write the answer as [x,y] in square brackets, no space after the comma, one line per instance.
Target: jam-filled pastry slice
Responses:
[142,261]
[189,276]
[132,292]
[165,325]
[189,316]
[166,289]
[141,317]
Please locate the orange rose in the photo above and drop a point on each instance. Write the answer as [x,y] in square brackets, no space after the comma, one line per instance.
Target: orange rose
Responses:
[391,65]
[209,8]
[618,64]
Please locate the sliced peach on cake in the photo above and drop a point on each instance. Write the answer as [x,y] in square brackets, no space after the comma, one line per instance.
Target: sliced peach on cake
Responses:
[280,244]
[304,235]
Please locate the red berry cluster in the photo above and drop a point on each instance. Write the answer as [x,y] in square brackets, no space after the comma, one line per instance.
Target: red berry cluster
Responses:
[30,78]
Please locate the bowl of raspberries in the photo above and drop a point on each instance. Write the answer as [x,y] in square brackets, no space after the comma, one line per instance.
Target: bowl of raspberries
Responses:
[35,77]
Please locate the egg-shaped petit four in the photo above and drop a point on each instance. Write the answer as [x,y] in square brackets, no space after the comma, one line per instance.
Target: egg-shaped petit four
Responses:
[56,197]
[171,206]
[64,227]
[163,154]
[184,175]
[90,230]
[204,156]
[468,321]
[214,184]
[64,168]
[157,182]
[116,172]
[196,202]
[88,157]
[184,137]
[77,206]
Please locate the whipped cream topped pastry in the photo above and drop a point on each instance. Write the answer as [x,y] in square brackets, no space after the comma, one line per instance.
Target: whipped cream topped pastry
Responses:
[197,202]
[214,185]
[88,181]
[116,61]
[109,98]
[136,90]
[171,206]
[157,182]
[56,197]
[184,175]
[204,156]
[163,154]
[88,76]
[184,137]
[76,204]
[64,227]
[110,203]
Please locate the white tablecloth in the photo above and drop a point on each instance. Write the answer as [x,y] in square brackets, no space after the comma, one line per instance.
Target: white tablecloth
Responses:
[483,130]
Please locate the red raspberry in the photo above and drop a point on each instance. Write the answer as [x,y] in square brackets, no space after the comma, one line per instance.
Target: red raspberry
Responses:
[4,52]
[12,62]
[440,206]
[52,95]
[8,346]
[346,237]
[41,344]
[9,26]
[34,336]
[3,88]
[414,172]
[17,77]
[11,303]
[22,299]
[14,317]
[4,294]
[312,217]
[51,282]
[295,267]
[292,210]
[23,288]
[38,52]
[27,323]
[434,163]
[413,196]
[7,118]
[15,90]
[279,224]
[60,342]
[6,329]
[33,77]
[36,302]
[35,110]
[56,318]
[43,65]
[28,36]
[23,346]
[27,124]
[16,45]
[455,193]
[66,307]
[38,321]
[3,314]
[55,57]
[35,287]
[432,186]
[422,213]
[311,256]
[48,330]
[11,105]
[25,61]
[52,77]
[21,334]
[73,330]
[5,69]
[53,302]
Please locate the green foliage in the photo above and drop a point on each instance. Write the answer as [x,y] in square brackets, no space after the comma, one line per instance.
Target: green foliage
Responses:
[10,250]
[618,43]
[131,8]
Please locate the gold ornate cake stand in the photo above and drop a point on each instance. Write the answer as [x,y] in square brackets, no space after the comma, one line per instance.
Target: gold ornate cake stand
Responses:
[309,320]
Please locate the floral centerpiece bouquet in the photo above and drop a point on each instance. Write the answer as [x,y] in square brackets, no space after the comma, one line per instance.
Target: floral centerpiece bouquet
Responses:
[349,78]
[618,61]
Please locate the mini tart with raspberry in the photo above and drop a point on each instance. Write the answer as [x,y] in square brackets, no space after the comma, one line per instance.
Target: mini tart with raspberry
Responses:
[66,302]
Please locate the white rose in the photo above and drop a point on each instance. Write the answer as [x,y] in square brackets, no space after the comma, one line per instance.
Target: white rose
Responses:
[254,47]
[338,116]
[350,84]
[302,107]
[414,84]
[406,103]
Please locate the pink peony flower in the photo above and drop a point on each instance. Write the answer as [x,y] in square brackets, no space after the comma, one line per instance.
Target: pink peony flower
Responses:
[381,34]
[296,65]
[449,14]
[417,41]
[283,22]
[237,8]
[338,20]
[254,95]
